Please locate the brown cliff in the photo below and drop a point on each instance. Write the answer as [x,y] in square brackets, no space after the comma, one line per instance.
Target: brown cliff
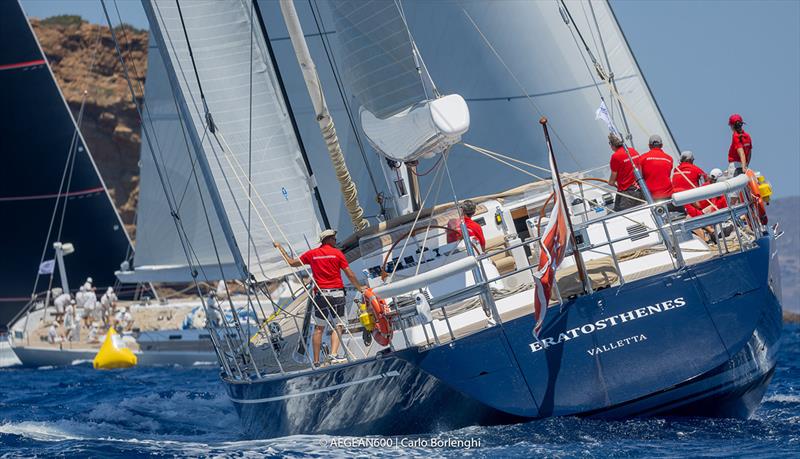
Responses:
[84,60]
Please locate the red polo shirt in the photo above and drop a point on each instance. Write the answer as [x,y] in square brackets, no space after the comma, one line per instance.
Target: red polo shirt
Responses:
[742,140]
[656,169]
[621,164]
[326,263]
[473,229]
[691,172]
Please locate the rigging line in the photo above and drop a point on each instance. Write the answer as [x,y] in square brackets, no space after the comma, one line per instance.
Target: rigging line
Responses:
[510,158]
[416,219]
[145,106]
[209,126]
[250,137]
[342,93]
[585,63]
[175,217]
[200,117]
[431,218]
[491,156]
[225,148]
[209,120]
[612,87]
[250,174]
[417,54]
[71,153]
[519,84]
[608,64]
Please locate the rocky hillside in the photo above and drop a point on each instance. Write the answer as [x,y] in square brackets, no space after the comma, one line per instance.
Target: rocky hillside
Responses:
[85,61]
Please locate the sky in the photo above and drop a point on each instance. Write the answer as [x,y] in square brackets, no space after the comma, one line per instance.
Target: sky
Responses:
[703,61]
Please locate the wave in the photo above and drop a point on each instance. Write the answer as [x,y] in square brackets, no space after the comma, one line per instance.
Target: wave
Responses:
[782,398]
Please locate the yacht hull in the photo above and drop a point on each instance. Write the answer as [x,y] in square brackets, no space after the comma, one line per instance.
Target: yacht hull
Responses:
[35,357]
[701,341]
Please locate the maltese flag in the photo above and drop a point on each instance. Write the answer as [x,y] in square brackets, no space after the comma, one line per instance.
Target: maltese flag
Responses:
[552,248]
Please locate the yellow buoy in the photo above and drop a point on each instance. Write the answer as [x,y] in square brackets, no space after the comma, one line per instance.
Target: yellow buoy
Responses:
[113,353]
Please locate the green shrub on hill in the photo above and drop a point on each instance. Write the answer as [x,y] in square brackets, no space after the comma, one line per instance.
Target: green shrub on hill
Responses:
[65,20]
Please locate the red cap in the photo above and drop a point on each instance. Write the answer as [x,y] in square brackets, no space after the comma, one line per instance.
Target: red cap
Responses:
[735,118]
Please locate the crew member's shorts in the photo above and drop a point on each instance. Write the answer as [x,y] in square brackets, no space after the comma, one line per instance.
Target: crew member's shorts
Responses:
[330,308]
[626,199]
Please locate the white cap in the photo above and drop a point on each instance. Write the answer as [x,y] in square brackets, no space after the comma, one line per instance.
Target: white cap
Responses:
[687,156]
[82,289]
[71,301]
[110,290]
[89,280]
[715,173]
[326,233]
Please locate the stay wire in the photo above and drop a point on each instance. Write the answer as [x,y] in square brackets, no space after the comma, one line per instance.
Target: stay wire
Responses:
[173,212]
[340,87]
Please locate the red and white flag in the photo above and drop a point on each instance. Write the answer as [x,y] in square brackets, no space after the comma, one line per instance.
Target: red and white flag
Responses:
[552,247]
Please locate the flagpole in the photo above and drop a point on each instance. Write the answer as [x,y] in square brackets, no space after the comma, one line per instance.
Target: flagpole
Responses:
[587,286]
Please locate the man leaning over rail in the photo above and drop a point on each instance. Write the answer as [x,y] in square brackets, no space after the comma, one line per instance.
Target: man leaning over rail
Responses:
[326,263]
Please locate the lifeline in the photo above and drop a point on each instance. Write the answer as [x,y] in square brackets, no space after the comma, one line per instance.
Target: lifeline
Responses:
[612,321]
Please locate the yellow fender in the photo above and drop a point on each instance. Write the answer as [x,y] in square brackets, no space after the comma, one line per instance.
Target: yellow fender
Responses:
[113,354]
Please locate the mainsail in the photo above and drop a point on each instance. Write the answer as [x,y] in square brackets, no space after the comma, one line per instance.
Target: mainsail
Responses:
[272,173]
[41,148]
[513,62]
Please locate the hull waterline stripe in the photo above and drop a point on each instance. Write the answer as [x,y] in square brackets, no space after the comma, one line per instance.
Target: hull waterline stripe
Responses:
[51,196]
[20,65]
[388,374]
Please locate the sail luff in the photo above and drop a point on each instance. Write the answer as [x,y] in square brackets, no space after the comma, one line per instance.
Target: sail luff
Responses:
[198,148]
[252,151]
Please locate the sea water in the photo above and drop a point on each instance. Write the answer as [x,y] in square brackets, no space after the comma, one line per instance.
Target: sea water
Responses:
[144,412]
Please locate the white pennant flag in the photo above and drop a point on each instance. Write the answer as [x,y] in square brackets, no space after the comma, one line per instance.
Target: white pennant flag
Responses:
[602,114]
[47,267]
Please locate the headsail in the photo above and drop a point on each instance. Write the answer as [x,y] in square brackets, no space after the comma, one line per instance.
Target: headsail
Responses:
[544,62]
[160,254]
[275,176]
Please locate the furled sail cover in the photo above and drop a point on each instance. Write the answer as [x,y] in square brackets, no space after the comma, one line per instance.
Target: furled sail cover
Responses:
[540,51]
[160,252]
[219,32]
[379,66]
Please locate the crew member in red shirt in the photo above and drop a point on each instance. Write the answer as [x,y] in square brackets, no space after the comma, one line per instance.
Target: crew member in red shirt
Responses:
[473,229]
[686,177]
[656,169]
[741,146]
[622,176]
[326,262]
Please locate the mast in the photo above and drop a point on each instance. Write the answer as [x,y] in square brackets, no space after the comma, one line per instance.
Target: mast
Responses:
[314,86]
[296,130]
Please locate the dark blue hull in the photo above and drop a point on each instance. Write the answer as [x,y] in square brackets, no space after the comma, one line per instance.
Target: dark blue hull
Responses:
[701,341]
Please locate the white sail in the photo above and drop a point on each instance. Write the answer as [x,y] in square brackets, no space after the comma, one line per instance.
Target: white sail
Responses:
[546,62]
[281,206]
[385,77]
[161,252]
[532,39]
